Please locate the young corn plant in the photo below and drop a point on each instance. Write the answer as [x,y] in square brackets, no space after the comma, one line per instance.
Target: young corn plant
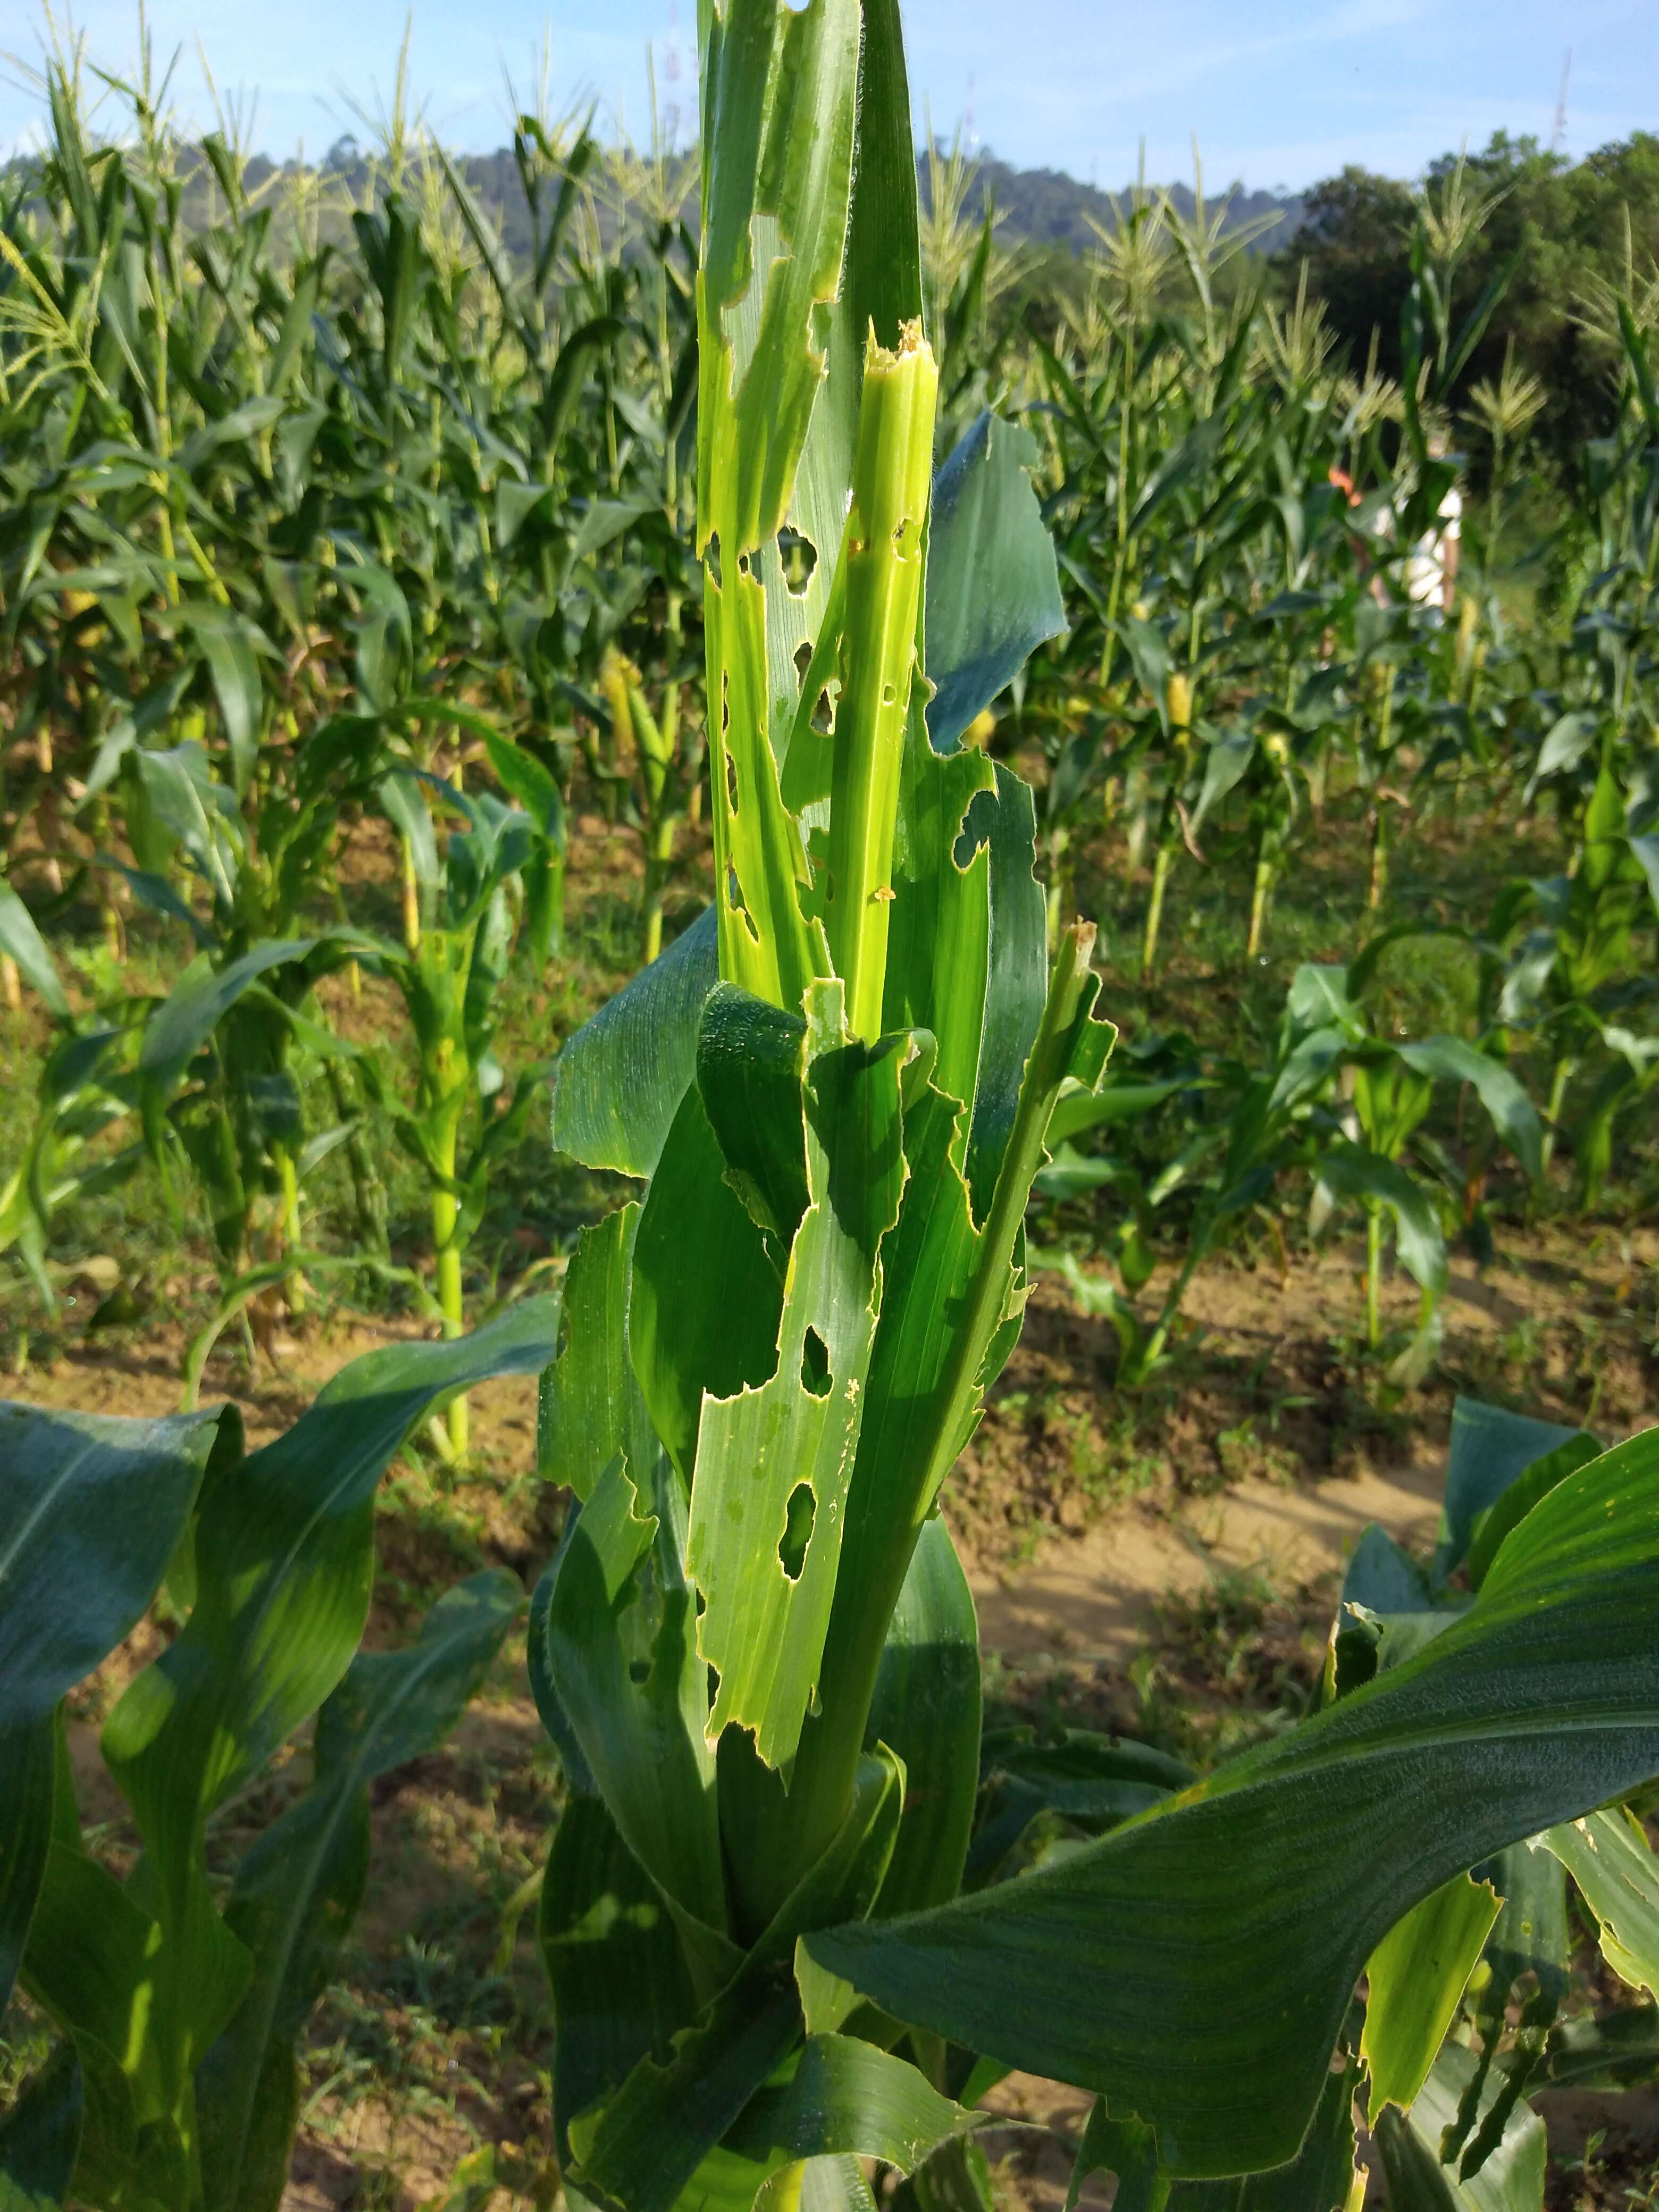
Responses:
[175,1996]
[756,1649]
[495,883]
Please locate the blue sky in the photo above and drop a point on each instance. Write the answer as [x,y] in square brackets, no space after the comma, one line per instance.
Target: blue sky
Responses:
[1277,93]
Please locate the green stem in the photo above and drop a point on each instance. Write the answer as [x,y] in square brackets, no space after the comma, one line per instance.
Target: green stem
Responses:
[890,478]
[659,860]
[1374,1277]
[288,1183]
[1152,1351]
[1379,872]
[445,1244]
[1558,1081]
[1264,860]
[1155,911]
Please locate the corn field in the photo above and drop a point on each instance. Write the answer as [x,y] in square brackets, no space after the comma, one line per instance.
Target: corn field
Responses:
[888,795]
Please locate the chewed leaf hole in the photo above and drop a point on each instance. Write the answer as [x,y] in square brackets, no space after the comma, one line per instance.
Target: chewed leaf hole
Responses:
[730,783]
[734,900]
[907,538]
[815,1364]
[975,831]
[798,557]
[803,656]
[799,1516]
[638,1670]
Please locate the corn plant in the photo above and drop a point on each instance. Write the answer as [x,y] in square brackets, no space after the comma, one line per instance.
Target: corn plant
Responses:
[755,1648]
[175,1996]
[496,877]
[1391,1087]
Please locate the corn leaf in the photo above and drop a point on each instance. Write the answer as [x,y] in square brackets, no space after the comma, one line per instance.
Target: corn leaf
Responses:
[1213,1943]
[298,1890]
[706,1295]
[1349,1171]
[1617,2051]
[91,1965]
[620,1987]
[1510,2180]
[1417,1976]
[847,2096]
[92,1509]
[638,2151]
[926,1707]
[774,1462]
[226,642]
[22,941]
[193,1008]
[1127,2149]
[1450,1059]
[589,1407]
[1321,2177]
[1016,976]
[617,1084]
[993,581]
[619,1640]
[1609,1858]
[1490,1448]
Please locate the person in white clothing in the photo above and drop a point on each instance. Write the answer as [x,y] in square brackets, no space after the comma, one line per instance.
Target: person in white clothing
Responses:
[1431,564]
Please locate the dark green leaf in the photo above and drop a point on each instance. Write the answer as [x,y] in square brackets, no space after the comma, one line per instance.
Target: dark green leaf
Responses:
[927,1709]
[1490,1448]
[1319,2178]
[91,1510]
[706,1297]
[620,1989]
[1125,2148]
[992,584]
[1617,2051]
[1349,1171]
[619,1638]
[1212,1944]
[1450,1060]
[847,2096]
[193,1008]
[590,1408]
[617,1084]
[284,1562]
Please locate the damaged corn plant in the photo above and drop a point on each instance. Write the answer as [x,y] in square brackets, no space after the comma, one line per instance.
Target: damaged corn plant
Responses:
[775,1947]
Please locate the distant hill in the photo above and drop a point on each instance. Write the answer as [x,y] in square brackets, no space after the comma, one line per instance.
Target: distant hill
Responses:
[1044,208]
[1048,207]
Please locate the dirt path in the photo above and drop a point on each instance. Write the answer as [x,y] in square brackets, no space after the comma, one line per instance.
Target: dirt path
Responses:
[1092,1596]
